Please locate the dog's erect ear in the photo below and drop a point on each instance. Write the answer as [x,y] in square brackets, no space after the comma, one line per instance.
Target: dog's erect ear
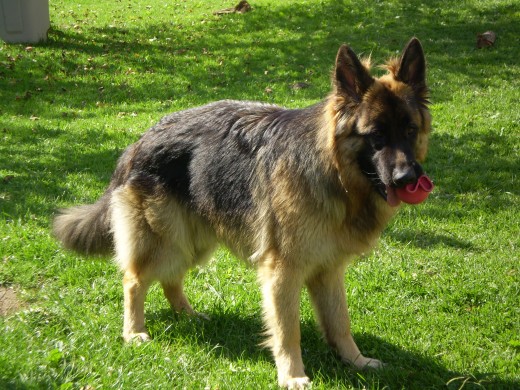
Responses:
[351,78]
[412,65]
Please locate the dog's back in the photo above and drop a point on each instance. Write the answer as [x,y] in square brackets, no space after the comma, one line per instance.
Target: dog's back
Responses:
[223,162]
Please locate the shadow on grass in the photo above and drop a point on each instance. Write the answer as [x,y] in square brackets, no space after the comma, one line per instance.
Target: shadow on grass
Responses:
[241,50]
[472,172]
[38,172]
[233,336]
[427,239]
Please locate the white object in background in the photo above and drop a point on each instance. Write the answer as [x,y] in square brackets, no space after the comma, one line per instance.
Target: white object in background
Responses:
[24,20]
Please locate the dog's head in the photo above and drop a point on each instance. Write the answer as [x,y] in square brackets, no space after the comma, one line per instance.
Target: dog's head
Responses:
[382,124]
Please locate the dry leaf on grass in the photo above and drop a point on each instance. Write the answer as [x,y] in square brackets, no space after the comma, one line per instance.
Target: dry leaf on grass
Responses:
[486,39]
[240,8]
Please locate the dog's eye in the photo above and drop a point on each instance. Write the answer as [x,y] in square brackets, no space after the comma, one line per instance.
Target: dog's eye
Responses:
[412,130]
[378,140]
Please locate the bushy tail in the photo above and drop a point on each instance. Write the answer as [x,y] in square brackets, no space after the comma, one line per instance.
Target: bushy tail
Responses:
[86,229]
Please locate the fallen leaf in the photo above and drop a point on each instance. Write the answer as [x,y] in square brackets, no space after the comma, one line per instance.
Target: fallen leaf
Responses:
[7,179]
[240,8]
[486,39]
[300,85]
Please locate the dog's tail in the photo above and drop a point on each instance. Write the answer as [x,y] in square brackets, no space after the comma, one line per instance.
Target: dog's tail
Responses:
[86,229]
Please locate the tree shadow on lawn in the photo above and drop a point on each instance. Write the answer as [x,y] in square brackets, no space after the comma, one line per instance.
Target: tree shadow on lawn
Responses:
[251,46]
[474,162]
[38,174]
[233,336]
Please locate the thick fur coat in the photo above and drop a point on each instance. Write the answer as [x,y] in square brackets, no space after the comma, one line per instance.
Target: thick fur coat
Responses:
[296,193]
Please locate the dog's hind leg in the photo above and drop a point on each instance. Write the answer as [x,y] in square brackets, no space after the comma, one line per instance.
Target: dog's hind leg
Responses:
[173,283]
[281,288]
[137,250]
[174,293]
[327,293]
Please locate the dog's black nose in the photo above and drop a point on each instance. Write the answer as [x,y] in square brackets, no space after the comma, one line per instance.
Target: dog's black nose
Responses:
[403,177]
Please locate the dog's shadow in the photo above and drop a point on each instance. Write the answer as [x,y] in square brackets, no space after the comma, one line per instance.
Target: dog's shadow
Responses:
[232,335]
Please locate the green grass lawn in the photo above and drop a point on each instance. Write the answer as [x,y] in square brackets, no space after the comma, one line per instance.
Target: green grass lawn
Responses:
[439,299]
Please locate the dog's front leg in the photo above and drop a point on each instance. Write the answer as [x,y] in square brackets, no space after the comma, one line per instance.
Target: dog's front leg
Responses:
[281,288]
[327,292]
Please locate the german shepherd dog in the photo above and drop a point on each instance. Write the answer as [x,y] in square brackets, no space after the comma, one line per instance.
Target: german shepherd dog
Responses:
[297,193]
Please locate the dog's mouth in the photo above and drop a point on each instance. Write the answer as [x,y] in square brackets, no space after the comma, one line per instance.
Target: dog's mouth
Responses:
[385,183]
[388,193]
[412,193]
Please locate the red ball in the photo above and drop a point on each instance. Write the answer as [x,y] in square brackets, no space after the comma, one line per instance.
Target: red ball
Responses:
[417,192]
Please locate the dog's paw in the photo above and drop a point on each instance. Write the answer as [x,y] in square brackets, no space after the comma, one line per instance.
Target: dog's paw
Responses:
[296,383]
[192,314]
[137,338]
[374,364]
[363,363]
[202,316]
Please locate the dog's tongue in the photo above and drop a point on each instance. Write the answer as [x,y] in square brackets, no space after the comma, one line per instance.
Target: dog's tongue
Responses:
[391,197]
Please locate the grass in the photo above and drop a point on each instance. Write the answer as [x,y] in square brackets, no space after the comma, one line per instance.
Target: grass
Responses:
[438,299]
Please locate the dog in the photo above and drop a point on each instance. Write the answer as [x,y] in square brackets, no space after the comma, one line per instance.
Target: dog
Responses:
[297,193]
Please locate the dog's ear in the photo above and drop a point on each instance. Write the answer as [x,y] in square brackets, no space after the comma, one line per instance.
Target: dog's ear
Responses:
[351,78]
[412,66]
